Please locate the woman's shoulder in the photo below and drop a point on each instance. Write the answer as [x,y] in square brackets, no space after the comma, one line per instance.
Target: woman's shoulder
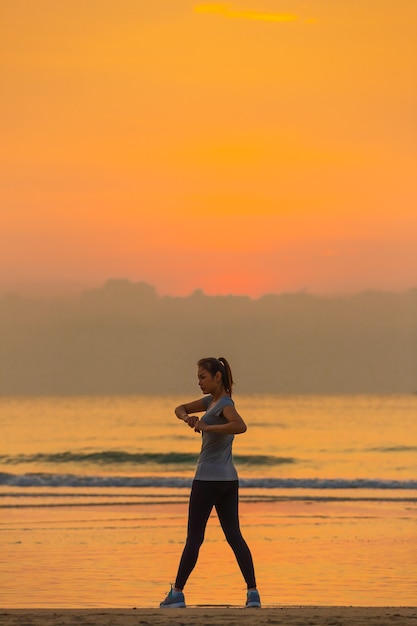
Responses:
[226,401]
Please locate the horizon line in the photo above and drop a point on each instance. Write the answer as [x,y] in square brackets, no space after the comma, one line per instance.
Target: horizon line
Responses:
[71,289]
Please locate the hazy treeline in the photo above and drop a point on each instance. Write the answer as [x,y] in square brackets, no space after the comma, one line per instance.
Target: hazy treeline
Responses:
[124,338]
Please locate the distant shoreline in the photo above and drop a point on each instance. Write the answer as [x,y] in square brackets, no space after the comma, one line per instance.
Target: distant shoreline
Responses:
[123,338]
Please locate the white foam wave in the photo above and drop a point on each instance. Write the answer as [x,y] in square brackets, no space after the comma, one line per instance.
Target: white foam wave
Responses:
[74,480]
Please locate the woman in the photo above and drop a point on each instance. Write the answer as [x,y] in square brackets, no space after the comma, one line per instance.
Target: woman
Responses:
[216,481]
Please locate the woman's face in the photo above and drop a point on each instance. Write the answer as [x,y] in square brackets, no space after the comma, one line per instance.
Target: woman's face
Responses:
[207,382]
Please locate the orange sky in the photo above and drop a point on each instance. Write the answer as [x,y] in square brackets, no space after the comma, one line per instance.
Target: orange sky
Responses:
[249,146]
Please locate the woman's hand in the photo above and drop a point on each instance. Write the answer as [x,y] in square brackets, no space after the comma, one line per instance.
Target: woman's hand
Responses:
[200,426]
[191,420]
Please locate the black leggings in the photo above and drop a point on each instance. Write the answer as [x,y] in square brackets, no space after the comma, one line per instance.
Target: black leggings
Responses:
[224,496]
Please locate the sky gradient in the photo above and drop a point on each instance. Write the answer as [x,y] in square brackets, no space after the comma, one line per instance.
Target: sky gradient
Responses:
[244,147]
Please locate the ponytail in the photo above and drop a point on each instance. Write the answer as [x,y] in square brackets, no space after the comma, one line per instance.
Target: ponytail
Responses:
[226,375]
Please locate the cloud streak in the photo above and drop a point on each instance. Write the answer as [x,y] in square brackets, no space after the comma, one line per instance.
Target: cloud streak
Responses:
[225,10]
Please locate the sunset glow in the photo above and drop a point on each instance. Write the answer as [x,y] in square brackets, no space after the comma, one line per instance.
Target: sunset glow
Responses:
[227,11]
[239,147]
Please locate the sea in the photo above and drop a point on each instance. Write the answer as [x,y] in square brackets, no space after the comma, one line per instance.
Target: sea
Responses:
[94,496]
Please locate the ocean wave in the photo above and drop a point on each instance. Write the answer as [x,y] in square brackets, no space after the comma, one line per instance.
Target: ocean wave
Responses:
[394,449]
[43,479]
[116,457]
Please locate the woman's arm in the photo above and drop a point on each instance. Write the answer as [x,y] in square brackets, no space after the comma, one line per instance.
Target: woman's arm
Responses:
[235,424]
[183,410]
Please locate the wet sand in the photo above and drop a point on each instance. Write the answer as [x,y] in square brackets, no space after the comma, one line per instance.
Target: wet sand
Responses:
[213,616]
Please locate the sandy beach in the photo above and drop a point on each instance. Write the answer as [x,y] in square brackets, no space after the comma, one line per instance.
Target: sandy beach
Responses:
[207,616]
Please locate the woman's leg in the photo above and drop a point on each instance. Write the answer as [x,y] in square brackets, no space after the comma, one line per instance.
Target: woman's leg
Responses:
[199,509]
[227,507]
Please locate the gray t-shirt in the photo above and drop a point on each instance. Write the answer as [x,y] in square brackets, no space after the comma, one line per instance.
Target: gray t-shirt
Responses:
[215,461]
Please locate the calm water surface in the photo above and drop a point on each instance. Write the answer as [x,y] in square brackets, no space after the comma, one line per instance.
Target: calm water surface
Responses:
[93,501]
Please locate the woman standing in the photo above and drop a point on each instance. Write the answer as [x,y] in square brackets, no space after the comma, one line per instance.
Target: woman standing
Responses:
[216,481]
